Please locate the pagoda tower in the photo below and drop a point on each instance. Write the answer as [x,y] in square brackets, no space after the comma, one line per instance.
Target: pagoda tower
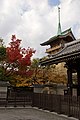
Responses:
[58,41]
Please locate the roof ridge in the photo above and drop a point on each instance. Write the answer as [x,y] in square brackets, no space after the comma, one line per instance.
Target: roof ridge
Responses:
[69,29]
[72,43]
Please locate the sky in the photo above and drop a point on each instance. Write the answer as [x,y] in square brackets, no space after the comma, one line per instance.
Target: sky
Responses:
[35,21]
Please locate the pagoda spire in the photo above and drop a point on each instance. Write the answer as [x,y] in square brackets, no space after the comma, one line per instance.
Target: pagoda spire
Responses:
[59,25]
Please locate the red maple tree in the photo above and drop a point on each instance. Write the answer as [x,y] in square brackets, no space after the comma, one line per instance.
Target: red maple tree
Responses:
[19,59]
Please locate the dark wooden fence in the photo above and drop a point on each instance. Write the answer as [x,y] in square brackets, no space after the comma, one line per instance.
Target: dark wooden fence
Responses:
[67,105]
[17,100]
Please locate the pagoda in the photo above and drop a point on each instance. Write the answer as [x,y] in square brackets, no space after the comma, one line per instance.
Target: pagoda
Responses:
[58,41]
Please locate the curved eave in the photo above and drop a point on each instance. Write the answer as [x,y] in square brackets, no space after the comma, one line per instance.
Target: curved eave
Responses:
[70,34]
[49,41]
[62,58]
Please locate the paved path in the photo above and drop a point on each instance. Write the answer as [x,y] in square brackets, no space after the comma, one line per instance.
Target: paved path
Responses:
[28,114]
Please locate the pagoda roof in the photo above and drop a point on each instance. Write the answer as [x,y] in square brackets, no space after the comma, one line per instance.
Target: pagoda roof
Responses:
[69,52]
[64,34]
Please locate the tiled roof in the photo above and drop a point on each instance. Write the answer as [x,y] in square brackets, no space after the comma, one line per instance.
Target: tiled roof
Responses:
[69,48]
[70,51]
[63,35]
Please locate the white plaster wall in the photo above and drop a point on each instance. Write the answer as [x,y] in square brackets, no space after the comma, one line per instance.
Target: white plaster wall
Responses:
[3,89]
[38,90]
[3,92]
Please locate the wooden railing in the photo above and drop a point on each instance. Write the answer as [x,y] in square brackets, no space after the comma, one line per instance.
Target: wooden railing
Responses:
[53,48]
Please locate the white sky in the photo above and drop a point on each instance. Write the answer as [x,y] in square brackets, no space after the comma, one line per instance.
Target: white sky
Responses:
[35,21]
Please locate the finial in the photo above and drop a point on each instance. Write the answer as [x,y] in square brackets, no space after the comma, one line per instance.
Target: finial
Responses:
[59,25]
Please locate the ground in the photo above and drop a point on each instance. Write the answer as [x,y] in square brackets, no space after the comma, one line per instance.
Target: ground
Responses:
[29,113]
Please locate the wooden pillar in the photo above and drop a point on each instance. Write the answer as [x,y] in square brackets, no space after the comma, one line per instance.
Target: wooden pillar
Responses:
[69,75]
[78,81]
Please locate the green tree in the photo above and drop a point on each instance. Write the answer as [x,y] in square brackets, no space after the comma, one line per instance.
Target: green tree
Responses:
[2,60]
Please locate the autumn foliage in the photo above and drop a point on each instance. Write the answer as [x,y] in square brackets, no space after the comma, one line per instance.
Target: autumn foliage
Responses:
[19,58]
[17,54]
